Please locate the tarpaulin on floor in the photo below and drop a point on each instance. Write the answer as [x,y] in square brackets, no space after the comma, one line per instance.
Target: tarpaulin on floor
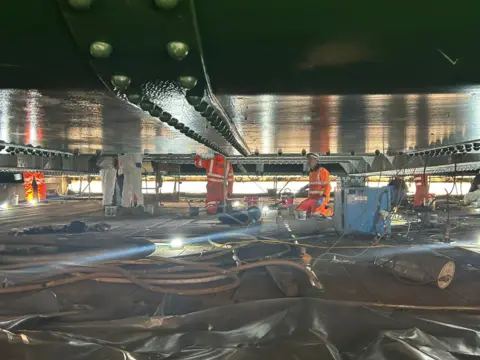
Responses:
[268,329]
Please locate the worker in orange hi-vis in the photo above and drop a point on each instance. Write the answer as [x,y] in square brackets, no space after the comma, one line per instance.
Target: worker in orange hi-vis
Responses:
[422,191]
[215,180]
[319,189]
[29,180]
[230,179]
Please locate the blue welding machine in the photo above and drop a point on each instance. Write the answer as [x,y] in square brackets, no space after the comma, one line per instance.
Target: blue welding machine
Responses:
[363,210]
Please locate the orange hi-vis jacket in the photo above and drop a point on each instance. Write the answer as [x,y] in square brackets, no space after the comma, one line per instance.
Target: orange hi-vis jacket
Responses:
[422,189]
[39,177]
[215,170]
[319,184]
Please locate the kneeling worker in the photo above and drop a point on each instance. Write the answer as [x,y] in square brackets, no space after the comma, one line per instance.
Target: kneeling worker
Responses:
[319,189]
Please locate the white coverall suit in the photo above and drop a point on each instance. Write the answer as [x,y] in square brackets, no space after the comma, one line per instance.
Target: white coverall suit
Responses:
[471,197]
[131,165]
[108,174]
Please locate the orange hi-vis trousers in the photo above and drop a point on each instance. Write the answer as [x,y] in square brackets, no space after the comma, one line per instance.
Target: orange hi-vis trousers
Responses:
[310,206]
[39,177]
[319,187]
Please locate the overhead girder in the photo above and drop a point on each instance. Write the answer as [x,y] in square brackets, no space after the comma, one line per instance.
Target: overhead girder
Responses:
[387,47]
[348,167]
[72,165]
[356,165]
[13,148]
[353,165]
[360,166]
[439,165]
[171,69]
[150,54]
[264,159]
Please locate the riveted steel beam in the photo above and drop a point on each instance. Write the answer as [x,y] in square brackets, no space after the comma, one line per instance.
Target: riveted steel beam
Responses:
[48,172]
[366,165]
[149,54]
[360,165]
[263,159]
[447,164]
[380,163]
[230,131]
[462,148]
[52,165]
[19,158]
[347,167]
[13,149]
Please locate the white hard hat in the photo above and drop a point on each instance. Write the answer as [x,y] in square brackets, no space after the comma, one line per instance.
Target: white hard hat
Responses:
[314,155]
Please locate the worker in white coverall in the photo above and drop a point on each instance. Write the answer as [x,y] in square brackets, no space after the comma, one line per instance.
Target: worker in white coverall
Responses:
[131,165]
[473,194]
[108,174]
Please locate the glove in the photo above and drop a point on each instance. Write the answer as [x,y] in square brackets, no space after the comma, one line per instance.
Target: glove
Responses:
[138,165]
[320,201]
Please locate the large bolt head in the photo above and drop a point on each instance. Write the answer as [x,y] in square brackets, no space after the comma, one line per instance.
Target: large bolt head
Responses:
[121,81]
[177,50]
[166,4]
[80,4]
[165,117]
[155,112]
[201,107]
[100,49]
[146,106]
[172,122]
[194,100]
[187,82]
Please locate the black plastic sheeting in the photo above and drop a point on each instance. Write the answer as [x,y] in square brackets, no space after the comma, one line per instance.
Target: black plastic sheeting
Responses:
[75,227]
[268,329]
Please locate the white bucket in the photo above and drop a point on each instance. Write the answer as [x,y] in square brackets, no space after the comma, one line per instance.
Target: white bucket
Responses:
[300,214]
[110,211]
[150,209]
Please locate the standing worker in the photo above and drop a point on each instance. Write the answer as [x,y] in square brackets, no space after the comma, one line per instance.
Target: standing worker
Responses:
[108,175]
[422,191]
[319,189]
[119,183]
[29,180]
[131,167]
[399,191]
[230,179]
[215,180]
